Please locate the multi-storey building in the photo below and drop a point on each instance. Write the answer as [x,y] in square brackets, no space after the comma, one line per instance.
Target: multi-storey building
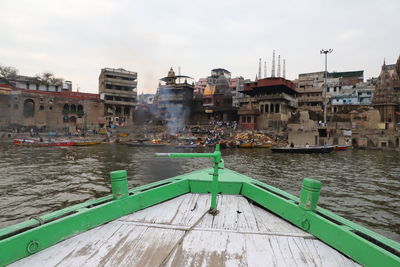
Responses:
[275,98]
[310,87]
[352,97]
[117,88]
[174,100]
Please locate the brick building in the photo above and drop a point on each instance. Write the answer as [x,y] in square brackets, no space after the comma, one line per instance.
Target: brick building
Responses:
[60,111]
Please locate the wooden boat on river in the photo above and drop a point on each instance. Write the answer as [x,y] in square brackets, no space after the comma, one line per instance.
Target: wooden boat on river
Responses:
[31,142]
[246,145]
[343,147]
[86,143]
[178,222]
[263,145]
[303,150]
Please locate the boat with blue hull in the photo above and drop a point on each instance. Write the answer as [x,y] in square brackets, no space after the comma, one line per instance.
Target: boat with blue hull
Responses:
[211,217]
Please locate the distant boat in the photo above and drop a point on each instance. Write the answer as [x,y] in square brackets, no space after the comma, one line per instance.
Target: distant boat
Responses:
[246,145]
[139,144]
[303,150]
[86,143]
[343,147]
[263,145]
[32,142]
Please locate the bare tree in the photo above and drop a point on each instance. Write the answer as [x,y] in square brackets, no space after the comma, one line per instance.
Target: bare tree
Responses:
[8,72]
[49,78]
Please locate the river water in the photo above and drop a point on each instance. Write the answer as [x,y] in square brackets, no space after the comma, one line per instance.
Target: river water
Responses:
[362,186]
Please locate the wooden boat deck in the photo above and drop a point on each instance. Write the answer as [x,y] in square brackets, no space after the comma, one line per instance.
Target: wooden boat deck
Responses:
[180,232]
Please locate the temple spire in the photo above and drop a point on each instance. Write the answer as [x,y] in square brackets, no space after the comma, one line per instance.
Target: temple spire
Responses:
[279,66]
[273,64]
[265,69]
[259,69]
[284,70]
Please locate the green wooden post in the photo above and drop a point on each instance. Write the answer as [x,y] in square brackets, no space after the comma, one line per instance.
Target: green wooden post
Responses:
[214,187]
[309,194]
[119,184]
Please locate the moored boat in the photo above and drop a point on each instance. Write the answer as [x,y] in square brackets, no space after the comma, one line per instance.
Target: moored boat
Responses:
[343,147]
[303,150]
[86,143]
[246,145]
[176,222]
[32,142]
[263,145]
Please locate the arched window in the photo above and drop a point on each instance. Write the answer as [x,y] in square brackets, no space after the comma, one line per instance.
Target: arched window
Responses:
[72,109]
[29,108]
[80,111]
[66,109]
[72,119]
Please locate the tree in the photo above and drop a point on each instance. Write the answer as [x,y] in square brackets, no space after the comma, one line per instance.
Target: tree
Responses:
[49,78]
[8,72]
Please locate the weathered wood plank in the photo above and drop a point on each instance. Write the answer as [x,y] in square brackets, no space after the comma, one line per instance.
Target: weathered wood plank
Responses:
[241,234]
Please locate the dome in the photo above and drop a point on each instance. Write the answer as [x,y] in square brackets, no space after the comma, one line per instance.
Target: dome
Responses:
[222,85]
[209,90]
[171,73]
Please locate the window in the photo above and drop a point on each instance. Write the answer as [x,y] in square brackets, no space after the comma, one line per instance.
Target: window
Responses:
[277,108]
[41,107]
[29,108]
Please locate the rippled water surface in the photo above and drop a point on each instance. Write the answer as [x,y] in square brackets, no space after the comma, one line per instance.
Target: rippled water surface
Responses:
[363,186]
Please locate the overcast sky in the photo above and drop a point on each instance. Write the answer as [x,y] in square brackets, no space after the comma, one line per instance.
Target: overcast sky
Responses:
[75,39]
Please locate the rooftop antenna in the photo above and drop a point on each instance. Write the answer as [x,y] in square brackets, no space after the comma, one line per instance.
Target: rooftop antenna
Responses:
[284,70]
[259,68]
[273,65]
[279,66]
[265,69]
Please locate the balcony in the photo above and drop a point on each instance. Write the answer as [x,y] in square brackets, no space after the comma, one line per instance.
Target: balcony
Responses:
[119,82]
[274,97]
[121,93]
[120,103]
[167,98]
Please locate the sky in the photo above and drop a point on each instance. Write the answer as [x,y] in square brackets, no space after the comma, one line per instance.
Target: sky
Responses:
[75,39]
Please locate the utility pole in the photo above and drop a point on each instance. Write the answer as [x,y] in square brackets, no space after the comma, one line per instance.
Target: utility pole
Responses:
[325,99]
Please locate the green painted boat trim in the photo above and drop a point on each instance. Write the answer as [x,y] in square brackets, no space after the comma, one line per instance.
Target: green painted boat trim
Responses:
[358,243]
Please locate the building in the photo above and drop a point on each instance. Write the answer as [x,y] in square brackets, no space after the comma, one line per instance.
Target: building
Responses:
[146,99]
[352,97]
[310,87]
[64,111]
[387,94]
[199,86]
[216,73]
[275,98]
[174,100]
[216,101]
[117,88]
[48,83]
[236,85]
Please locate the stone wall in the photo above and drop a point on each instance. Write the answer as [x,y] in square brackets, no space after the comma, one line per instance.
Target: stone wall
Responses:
[46,111]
